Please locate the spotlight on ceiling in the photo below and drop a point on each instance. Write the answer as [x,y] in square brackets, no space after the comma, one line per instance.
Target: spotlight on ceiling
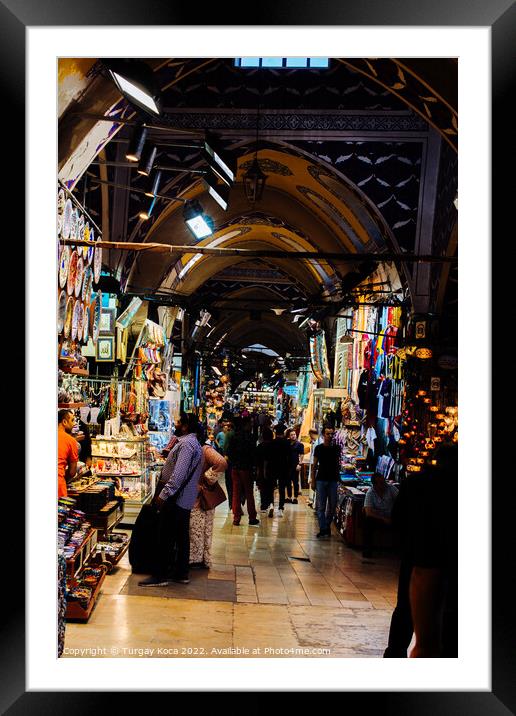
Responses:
[136,81]
[153,185]
[278,311]
[145,214]
[147,160]
[219,158]
[196,220]
[136,144]
[216,189]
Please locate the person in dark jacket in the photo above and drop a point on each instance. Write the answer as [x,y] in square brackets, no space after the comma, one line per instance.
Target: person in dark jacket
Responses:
[241,454]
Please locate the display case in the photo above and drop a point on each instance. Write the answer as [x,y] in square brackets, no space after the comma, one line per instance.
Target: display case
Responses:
[127,461]
[326,399]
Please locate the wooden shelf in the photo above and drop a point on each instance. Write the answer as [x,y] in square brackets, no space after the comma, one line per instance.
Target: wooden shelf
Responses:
[81,554]
[76,612]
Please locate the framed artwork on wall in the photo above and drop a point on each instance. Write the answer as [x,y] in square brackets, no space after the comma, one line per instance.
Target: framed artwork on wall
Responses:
[107,321]
[105,349]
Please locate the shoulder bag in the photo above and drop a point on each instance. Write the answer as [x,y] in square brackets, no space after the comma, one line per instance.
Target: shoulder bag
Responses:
[210,495]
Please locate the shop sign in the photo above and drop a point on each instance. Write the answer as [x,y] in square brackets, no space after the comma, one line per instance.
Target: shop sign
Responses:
[435,384]
[290,389]
[447,362]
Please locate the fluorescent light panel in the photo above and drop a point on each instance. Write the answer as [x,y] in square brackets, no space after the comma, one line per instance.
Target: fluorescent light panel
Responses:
[131,90]
[218,198]
[199,227]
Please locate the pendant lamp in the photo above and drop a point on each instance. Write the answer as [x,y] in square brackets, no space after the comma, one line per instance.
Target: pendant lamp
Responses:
[254,179]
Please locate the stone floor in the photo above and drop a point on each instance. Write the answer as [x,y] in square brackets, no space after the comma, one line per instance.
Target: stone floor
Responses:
[273,591]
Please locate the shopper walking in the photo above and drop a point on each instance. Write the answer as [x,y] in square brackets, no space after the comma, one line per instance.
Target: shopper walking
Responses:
[181,474]
[327,472]
[229,431]
[280,465]
[266,481]
[242,455]
[297,452]
[201,521]
[315,439]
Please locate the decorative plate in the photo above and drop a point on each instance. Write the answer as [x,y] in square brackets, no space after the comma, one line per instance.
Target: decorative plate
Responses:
[75,319]
[79,277]
[72,272]
[86,324]
[68,318]
[96,319]
[90,249]
[80,235]
[73,224]
[61,200]
[64,264]
[97,264]
[67,219]
[87,286]
[61,311]
[80,322]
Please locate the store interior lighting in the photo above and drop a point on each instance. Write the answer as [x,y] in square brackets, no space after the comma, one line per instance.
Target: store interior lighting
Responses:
[136,144]
[196,220]
[153,185]
[145,214]
[147,160]
[220,158]
[135,80]
[216,370]
[217,190]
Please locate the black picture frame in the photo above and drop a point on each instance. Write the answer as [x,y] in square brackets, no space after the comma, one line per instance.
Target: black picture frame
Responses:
[500,16]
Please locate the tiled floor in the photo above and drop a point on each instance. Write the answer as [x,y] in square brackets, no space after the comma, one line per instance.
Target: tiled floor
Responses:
[272,589]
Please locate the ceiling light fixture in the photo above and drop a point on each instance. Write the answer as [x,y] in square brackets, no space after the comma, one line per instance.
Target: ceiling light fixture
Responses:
[221,161]
[153,185]
[216,189]
[136,144]
[254,179]
[278,311]
[196,220]
[145,215]
[147,160]
[136,81]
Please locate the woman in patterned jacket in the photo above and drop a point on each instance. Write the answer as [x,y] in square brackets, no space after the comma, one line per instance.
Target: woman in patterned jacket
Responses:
[201,521]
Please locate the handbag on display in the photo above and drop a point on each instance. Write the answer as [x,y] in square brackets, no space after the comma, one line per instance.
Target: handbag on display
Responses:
[210,496]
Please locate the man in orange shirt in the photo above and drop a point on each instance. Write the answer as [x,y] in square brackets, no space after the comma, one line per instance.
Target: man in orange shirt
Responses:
[67,451]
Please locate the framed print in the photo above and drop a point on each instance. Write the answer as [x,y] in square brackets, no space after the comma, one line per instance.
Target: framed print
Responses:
[397,143]
[105,350]
[107,321]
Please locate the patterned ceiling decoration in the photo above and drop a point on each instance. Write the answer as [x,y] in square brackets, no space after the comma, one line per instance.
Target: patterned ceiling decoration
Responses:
[268,166]
[405,84]
[222,85]
[446,213]
[387,172]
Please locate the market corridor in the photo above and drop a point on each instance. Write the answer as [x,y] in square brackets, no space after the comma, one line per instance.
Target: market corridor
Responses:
[275,589]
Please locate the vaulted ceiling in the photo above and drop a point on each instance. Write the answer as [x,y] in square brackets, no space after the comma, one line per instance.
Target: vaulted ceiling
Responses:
[359,158]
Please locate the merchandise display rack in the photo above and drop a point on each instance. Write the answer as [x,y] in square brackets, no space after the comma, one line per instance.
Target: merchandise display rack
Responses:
[75,612]
[81,554]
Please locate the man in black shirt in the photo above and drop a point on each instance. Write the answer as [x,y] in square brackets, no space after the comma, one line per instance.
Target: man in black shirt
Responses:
[296,456]
[266,482]
[280,465]
[326,467]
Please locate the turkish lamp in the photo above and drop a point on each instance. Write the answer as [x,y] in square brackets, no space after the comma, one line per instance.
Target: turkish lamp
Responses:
[254,181]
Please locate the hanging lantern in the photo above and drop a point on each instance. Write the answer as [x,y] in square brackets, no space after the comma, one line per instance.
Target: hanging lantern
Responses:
[254,181]
[434,408]
[423,353]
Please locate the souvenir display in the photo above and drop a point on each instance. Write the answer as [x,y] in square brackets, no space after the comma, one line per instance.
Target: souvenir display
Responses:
[68,317]
[79,276]
[92,314]
[87,285]
[80,322]
[75,319]
[72,272]
[67,219]
[86,324]
[64,263]
[74,224]
[97,263]
[60,210]
[61,311]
